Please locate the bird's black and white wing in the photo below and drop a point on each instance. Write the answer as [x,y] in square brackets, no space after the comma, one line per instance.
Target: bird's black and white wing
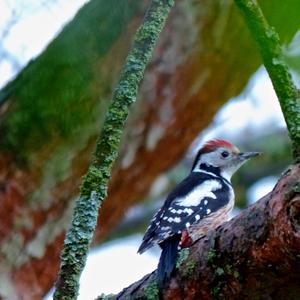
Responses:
[193,200]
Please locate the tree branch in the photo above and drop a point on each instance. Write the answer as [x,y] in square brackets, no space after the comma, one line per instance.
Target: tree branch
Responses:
[253,256]
[267,40]
[94,186]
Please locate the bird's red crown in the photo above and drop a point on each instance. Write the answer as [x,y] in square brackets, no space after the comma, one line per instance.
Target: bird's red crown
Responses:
[214,144]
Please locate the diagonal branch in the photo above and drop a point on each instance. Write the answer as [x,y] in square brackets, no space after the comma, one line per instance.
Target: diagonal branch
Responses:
[253,256]
[268,42]
[94,186]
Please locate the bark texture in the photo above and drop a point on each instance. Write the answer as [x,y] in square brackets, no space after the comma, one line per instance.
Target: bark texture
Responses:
[256,255]
[51,113]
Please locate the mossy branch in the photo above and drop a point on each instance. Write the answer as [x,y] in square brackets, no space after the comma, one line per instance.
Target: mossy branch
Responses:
[94,185]
[271,52]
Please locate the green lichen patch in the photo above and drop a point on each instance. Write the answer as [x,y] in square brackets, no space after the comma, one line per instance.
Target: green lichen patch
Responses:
[211,256]
[221,270]
[218,273]
[187,264]
[190,267]
[91,181]
[231,270]
[183,255]
[105,297]
[151,292]
[296,188]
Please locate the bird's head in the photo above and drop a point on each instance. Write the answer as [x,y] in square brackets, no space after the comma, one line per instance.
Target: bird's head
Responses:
[221,157]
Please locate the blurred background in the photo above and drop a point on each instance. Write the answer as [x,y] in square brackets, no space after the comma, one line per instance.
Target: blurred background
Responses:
[59,63]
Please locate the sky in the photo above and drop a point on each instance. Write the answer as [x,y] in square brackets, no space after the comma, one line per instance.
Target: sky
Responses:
[27,26]
[115,265]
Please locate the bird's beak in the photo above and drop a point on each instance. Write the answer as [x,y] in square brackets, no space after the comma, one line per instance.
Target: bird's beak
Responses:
[247,155]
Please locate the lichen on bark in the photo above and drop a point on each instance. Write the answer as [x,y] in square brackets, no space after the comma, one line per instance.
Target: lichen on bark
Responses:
[268,43]
[94,186]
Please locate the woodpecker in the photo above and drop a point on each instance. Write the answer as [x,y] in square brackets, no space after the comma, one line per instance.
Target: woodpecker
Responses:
[201,202]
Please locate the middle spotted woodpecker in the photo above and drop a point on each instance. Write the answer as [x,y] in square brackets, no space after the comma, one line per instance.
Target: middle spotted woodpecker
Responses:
[198,204]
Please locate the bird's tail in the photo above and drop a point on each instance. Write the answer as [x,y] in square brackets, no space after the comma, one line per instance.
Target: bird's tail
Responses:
[167,261]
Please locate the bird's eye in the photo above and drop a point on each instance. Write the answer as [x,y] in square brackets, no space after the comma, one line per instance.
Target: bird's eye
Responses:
[225,154]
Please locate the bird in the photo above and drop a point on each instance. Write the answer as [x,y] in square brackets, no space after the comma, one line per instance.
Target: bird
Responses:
[198,204]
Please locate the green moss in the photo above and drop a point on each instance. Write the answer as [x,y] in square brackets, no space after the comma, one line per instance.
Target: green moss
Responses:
[151,292]
[211,256]
[220,273]
[190,267]
[217,294]
[53,97]
[189,264]
[296,188]
[183,255]
[76,245]
[91,181]
[231,270]
[105,297]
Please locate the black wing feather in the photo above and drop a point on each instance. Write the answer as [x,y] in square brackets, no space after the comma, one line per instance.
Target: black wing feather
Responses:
[160,229]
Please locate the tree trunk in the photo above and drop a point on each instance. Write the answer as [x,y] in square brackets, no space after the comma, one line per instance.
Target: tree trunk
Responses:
[51,113]
[253,256]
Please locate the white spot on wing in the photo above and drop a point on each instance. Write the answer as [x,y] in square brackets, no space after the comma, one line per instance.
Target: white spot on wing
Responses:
[197,217]
[189,211]
[205,202]
[165,228]
[188,224]
[176,220]
[208,211]
[166,234]
[204,190]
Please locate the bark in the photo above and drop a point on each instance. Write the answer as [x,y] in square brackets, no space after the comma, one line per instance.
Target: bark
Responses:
[253,256]
[51,113]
